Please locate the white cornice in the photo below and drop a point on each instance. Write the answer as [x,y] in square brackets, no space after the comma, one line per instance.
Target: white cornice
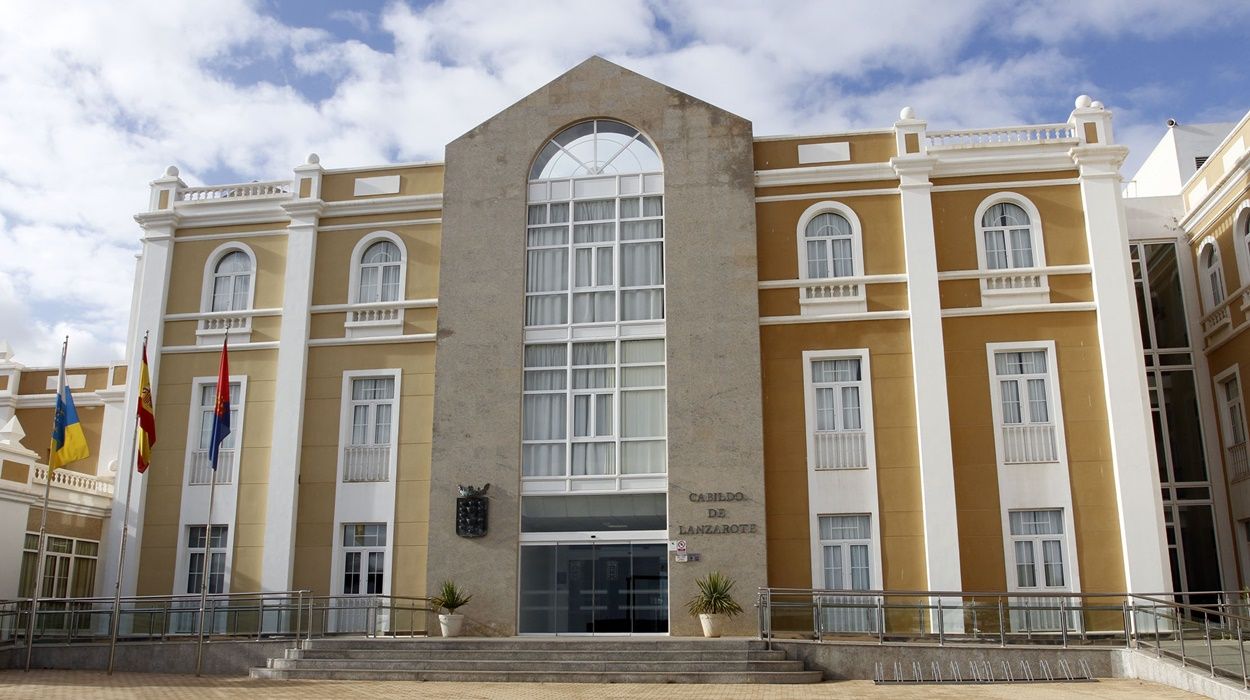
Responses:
[834,318]
[373,340]
[1021,309]
[983,162]
[857,172]
[1226,185]
[862,279]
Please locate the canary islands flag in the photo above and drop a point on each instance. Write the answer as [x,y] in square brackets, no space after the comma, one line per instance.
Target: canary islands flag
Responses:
[68,442]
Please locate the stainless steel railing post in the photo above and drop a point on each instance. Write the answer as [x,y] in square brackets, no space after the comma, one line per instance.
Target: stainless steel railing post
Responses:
[1241,651]
[1206,623]
[1063,622]
[1002,625]
[299,614]
[1180,633]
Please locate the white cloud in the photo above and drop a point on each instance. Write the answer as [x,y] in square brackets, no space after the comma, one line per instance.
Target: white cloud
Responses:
[97,98]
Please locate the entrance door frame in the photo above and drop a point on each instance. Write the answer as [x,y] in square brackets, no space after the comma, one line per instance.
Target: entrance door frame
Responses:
[551,539]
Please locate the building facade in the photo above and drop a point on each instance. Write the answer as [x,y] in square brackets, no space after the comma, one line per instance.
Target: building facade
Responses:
[896,359]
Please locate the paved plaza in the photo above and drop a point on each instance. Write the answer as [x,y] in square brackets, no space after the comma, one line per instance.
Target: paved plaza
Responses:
[77,685]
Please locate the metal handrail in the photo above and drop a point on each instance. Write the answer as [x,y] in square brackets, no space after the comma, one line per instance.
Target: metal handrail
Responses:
[1207,636]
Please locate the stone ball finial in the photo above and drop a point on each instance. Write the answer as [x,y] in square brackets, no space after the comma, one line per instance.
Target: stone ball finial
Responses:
[1096,105]
[171,171]
[1083,101]
[313,159]
[907,113]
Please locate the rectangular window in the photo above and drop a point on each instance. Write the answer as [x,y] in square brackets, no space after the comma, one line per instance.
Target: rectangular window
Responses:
[201,472]
[1022,380]
[1038,543]
[1234,427]
[364,558]
[196,535]
[846,542]
[371,409]
[69,567]
[838,410]
[594,409]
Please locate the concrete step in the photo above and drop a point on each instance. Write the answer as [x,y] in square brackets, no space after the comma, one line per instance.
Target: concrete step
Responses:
[536,654]
[541,677]
[523,643]
[602,665]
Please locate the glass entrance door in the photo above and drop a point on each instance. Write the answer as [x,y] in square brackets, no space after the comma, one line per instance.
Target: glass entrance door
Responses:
[610,588]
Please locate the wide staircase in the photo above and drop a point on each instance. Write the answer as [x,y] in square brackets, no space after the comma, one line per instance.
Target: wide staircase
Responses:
[539,660]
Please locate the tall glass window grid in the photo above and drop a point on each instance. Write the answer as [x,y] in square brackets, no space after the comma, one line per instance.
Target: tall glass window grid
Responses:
[1022,386]
[594,408]
[373,404]
[195,558]
[846,552]
[595,259]
[1175,412]
[69,566]
[364,558]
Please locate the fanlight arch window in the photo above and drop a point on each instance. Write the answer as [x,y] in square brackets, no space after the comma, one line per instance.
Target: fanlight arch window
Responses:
[1008,237]
[596,147]
[380,274]
[829,243]
[1212,274]
[231,288]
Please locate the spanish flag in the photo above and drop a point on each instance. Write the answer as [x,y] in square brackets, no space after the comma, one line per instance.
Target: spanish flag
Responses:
[146,436]
[68,442]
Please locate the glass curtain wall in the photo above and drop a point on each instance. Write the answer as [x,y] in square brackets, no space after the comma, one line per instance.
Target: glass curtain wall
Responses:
[1183,469]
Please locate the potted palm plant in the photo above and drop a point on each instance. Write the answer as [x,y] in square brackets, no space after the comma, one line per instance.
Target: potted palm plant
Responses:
[450,597]
[714,602]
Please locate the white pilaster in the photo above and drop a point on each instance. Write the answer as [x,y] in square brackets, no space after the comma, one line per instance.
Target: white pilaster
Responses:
[933,427]
[147,311]
[1133,459]
[288,420]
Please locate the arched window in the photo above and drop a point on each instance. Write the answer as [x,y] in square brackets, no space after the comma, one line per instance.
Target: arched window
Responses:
[1212,273]
[232,283]
[379,277]
[593,409]
[829,245]
[1007,234]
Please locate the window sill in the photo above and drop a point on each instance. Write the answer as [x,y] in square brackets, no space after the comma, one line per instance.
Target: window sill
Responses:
[239,333]
[831,300]
[1020,296]
[372,329]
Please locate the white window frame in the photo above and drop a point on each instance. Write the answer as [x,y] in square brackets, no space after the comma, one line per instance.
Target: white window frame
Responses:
[1012,286]
[343,550]
[378,318]
[874,571]
[346,411]
[1209,300]
[188,552]
[867,429]
[1230,425]
[194,432]
[50,557]
[1241,238]
[1036,543]
[832,295]
[213,324]
[1053,398]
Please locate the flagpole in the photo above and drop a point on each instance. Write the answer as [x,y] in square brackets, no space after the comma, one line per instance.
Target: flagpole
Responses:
[121,550]
[208,527]
[43,517]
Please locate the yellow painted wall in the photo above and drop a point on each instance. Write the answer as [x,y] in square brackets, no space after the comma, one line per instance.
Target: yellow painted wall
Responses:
[427,179]
[1063,225]
[186,280]
[1088,445]
[874,147]
[165,477]
[777,241]
[61,524]
[37,422]
[332,269]
[319,460]
[785,447]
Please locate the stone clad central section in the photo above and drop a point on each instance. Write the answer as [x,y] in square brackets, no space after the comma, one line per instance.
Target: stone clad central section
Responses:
[714,425]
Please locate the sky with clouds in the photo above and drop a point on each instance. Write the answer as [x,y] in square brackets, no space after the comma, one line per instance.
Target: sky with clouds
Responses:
[96,99]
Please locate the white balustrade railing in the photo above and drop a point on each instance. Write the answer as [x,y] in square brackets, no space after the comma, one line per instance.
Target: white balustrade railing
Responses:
[1028,443]
[76,481]
[375,315]
[1002,136]
[1212,321]
[366,463]
[840,450]
[222,323]
[1012,281]
[238,191]
[833,291]
[1238,463]
[202,467]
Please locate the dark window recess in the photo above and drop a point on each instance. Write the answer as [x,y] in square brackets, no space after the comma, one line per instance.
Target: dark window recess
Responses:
[1199,160]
